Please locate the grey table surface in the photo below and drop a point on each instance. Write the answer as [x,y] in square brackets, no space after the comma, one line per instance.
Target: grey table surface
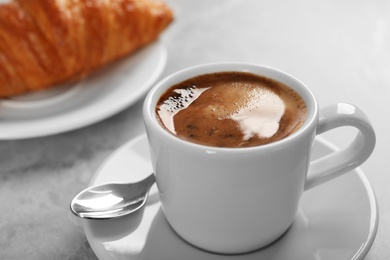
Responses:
[340,49]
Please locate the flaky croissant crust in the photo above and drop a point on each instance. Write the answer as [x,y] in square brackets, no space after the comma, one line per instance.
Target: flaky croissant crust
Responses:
[46,42]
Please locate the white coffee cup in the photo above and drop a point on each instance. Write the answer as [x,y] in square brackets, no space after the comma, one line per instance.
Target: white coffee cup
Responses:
[236,200]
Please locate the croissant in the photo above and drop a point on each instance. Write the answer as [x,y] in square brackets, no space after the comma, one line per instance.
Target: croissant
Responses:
[47,42]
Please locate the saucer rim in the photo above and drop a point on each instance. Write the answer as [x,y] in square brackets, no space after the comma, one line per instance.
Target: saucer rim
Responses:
[374,221]
[360,254]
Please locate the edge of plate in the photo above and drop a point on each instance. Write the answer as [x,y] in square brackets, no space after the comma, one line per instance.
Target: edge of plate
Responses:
[57,127]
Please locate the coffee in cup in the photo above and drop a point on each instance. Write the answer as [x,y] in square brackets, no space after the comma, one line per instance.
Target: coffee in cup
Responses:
[231,109]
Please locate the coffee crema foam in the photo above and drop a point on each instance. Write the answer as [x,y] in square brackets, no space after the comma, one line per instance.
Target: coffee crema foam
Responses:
[231,109]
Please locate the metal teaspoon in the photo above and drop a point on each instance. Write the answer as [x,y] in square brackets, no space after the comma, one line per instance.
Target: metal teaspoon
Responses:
[111,200]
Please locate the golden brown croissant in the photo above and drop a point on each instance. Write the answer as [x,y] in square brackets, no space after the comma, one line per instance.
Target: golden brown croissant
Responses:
[46,42]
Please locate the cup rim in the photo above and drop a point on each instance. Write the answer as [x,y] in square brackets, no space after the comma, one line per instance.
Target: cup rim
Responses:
[160,87]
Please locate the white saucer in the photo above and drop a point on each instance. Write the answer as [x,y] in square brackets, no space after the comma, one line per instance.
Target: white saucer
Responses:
[95,98]
[337,220]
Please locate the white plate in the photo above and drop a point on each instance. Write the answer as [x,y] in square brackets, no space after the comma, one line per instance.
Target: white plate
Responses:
[95,98]
[337,220]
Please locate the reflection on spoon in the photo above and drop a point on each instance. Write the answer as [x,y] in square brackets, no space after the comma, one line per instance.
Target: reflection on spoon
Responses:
[112,200]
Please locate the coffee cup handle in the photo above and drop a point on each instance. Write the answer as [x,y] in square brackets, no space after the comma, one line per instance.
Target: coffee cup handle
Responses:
[347,159]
